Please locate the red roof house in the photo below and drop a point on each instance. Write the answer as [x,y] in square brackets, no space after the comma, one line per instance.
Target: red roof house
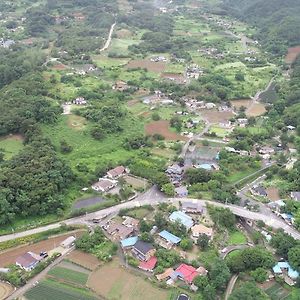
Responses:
[186,273]
[148,265]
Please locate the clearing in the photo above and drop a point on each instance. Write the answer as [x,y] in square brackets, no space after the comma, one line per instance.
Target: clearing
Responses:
[237,104]
[163,127]
[156,67]
[11,145]
[275,291]
[237,238]
[88,202]
[87,261]
[135,182]
[213,116]
[76,122]
[292,54]
[256,109]
[114,282]
[273,193]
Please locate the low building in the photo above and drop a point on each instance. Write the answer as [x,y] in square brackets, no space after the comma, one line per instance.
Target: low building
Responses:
[68,242]
[79,101]
[295,196]
[129,242]
[192,208]
[174,169]
[148,265]
[284,269]
[120,86]
[182,218]
[143,251]
[130,222]
[116,173]
[186,273]
[165,275]
[118,230]
[181,191]
[168,239]
[276,205]
[199,229]
[259,190]
[28,261]
[104,185]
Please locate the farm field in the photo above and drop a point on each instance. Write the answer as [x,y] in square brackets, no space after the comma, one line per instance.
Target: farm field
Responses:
[213,116]
[87,261]
[51,290]
[163,127]
[69,275]
[276,292]
[114,282]
[11,145]
[5,290]
[256,109]
[156,67]
[9,256]
[135,182]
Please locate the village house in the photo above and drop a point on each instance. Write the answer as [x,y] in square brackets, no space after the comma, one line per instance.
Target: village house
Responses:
[158,59]
[200,229]
[242,122]
[167,240]
[284,270]
[174,169]
[143,251]
[266,150]
[6,43]
[165,275]
[28,261]
[181,217]
[128,243]
[188,273]
[120,86]
[276,206]
[104,185]
[259,190]
[130,222]
[79,101]
[210,105]
[295,196]
[117,172]
[68,242]
[148,265]
[192,208]
[118,231]
[181,191]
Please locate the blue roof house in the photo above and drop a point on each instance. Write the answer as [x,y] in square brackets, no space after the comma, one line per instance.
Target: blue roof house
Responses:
[169,237]
[182,218]
[284,268]
[129,242]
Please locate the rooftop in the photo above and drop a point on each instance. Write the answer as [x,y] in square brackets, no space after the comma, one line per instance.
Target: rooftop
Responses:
[187,272]
[143,247]
[170,237]
[148,265]
[183,218]
[129,242]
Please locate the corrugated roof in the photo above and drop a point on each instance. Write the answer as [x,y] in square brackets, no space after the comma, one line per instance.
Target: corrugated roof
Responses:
[170,237]
[183,218]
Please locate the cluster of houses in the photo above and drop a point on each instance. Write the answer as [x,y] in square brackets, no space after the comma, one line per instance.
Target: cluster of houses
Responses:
[120,86]
[29,260]
[194,104]
[158,59]
[127,233]
[212,53]
[157,98]
[284,270]
[79,101]
[108,182]
[194,71]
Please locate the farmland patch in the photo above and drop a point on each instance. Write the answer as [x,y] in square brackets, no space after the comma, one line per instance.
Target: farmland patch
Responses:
[83,259]
[11,145]
[256,109]
[156,67]
[292,54]
[5,290]
[162,127]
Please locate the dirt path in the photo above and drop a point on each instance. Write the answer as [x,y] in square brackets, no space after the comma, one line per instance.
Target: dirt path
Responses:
[109,38]
[230,286]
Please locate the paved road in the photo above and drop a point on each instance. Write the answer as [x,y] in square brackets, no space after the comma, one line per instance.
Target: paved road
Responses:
[233,248]
[108,41]
[153,197]
[21,291]
[230,286]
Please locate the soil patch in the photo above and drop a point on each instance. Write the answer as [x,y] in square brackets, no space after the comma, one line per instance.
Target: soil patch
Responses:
[59,67]
[239,103]
[9,257]
[114,282]
[256,109]
[151,66]
[214,116]
[273,193]
[292,54]
[87,261]
[73,267]
[5,290]
[163,127]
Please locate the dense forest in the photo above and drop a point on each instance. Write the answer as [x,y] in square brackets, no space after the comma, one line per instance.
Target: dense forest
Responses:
[278,21]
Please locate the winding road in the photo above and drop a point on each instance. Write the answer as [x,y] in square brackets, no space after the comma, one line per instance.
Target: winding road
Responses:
[154,197]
